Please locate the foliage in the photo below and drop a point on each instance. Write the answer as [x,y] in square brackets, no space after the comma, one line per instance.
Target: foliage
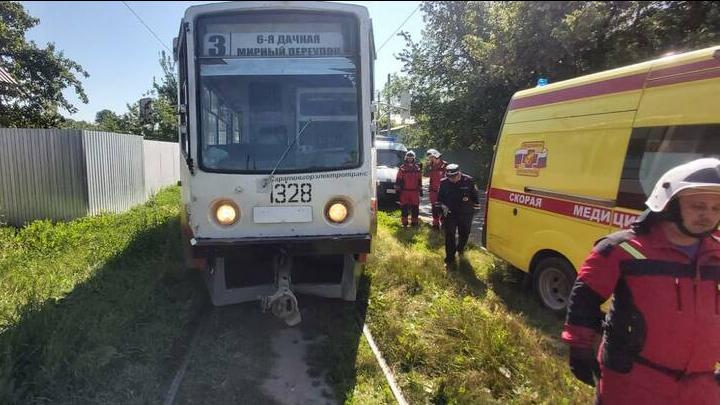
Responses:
[107,120]
[42,74]
[474,55]
[412,135]
[69,123]
[163,120]
[162,123]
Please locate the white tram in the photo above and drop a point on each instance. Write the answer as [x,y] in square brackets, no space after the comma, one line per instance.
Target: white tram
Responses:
[276,147]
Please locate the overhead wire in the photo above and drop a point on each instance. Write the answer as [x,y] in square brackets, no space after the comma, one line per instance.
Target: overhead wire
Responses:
[146,26]
[398,28]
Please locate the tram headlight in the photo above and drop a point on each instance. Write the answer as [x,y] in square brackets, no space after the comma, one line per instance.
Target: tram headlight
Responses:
[225,212]
[337,211]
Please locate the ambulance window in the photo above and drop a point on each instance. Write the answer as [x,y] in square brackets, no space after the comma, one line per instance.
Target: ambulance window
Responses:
[655,150]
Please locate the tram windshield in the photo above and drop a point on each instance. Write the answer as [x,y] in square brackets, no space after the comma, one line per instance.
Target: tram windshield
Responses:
[273,82]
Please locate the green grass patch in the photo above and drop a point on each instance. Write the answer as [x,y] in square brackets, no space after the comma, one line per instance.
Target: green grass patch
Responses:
[340,353]
[99,310]
[95,310]
[470,336]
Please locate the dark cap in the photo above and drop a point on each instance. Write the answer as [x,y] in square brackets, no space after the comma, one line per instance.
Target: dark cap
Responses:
[452,169]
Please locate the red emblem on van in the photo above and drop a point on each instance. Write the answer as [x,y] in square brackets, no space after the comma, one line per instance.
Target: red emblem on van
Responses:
[530,158]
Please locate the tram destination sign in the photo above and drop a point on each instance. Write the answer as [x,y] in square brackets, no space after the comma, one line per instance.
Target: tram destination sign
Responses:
[273,44]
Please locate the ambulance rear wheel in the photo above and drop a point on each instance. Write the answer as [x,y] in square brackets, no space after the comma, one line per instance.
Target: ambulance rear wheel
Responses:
[553,278]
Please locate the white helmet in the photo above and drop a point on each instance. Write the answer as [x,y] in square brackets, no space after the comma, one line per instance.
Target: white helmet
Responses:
[433,153]
[410,154]
[452,169]
[702,175]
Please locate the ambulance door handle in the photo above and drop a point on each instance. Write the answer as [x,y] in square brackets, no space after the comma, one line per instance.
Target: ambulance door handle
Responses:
[515,211]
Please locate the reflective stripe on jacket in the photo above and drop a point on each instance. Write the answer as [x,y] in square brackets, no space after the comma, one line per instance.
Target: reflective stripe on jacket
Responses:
[666,307]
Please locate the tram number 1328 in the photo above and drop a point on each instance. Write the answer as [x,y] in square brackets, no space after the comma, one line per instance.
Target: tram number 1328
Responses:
[291,193]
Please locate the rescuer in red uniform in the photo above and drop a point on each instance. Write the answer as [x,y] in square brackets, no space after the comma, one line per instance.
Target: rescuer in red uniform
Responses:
[661,338]
[409,184]
[437,173]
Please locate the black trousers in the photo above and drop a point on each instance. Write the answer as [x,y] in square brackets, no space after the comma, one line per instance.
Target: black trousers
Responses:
[413,210]
[456,223]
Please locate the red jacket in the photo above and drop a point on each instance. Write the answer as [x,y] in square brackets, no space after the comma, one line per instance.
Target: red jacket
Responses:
[666,309]
[437,172]
[409,183]
[409,177]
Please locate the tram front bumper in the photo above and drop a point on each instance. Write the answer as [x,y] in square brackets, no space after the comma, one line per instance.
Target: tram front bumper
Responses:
[301,245]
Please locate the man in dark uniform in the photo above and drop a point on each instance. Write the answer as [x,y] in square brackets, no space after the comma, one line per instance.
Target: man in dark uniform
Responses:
[457,197]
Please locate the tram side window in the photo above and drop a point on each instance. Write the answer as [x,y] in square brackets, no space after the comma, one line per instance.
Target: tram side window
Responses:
[184,127]
[654,150]
[221,123]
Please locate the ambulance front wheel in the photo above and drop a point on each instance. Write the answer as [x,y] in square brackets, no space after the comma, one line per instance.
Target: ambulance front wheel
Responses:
[553,279]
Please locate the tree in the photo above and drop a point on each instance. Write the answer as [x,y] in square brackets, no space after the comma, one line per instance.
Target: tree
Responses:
[107,120]
[162,123]
[69,123]
[167,88]
[42,74]
[412,135]
[474,55]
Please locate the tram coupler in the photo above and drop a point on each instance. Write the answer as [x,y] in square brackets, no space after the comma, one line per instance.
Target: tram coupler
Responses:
[283,302]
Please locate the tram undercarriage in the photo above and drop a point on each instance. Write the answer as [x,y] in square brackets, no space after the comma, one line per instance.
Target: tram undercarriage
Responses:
[273,275]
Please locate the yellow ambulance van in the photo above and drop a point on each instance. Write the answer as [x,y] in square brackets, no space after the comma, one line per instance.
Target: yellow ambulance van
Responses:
[576,159]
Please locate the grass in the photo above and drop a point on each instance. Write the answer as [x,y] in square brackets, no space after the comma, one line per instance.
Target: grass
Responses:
[99,310]
[341,354]
[93,310]
[472,336]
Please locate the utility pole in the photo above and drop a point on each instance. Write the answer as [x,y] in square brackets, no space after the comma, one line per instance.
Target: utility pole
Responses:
[387,89]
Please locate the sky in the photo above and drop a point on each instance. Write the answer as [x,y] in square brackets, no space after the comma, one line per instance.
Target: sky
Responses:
[121,55]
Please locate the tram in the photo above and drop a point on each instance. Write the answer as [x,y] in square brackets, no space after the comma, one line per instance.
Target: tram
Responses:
[275,134]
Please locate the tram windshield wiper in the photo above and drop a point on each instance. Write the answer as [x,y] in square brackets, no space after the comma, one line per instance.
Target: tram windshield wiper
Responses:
[297,138]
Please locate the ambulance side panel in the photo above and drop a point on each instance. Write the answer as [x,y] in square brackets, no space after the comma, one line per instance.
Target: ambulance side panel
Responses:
[682,91]
[584,158]
[583,125]
[605,139]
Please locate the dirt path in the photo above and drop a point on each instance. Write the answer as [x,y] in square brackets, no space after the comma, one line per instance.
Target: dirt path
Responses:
[290,382]
[243,356]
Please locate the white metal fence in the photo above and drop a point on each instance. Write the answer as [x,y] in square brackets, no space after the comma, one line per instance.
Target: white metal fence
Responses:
[64,174]
[161,165]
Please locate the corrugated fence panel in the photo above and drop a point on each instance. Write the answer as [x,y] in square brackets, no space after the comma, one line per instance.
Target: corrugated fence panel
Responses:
[161,165]
[64,174]
[115,171]
[42,175]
